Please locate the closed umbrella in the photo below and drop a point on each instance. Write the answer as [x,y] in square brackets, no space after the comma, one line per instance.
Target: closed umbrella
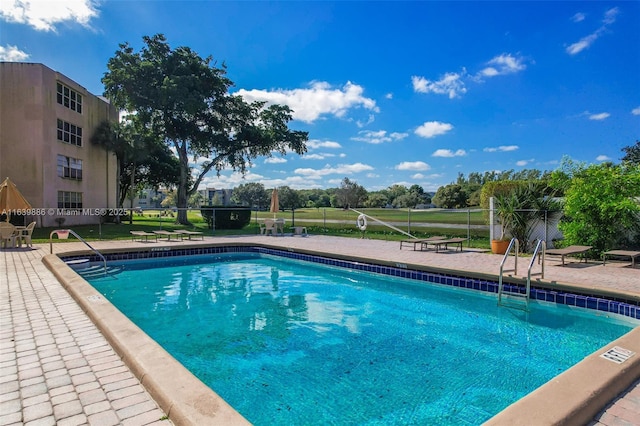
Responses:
[275,203]
[11,198]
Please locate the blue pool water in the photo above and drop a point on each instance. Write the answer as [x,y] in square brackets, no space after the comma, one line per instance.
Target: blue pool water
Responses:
[286,342]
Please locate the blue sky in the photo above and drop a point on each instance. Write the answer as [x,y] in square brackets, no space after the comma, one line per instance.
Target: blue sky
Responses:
[390,92]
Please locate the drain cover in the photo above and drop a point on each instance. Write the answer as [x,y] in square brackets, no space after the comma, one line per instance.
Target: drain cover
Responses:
[618,354]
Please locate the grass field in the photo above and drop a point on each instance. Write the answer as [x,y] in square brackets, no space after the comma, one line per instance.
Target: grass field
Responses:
[327,221]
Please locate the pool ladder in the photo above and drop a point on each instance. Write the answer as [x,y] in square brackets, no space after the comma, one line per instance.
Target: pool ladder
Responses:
[517,299]
[63,234]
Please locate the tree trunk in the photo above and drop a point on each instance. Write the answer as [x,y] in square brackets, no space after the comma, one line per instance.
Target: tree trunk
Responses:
[182,196]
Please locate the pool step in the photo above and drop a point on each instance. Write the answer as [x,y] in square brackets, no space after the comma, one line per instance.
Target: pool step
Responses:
[98,271]
[514,300]
[76,261]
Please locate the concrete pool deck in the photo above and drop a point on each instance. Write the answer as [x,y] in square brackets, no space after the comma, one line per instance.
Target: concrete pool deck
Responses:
[57,367]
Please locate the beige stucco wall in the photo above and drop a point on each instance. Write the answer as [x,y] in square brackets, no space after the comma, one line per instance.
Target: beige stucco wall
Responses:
[29,146]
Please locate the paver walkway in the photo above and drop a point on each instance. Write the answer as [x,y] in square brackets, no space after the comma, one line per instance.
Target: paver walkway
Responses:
[57,368]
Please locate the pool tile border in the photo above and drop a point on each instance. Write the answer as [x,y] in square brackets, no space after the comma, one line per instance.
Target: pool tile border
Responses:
[627,308]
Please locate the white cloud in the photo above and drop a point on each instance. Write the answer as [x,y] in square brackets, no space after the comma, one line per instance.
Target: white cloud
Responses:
[449,153]
[523,163]
[599,117]
[389,95]
[275,160]
[502,148]
[341,169]
[319,99]
[317,156]
[602,158]
[636,111]
[417,176]
[315,143]
[610,16]
[450,84]
[12,54]
[586,41]
[45,15]
[413,165]
[377,137]
[578,17]
[370,120]
[430,129]
[503,64]
[453,84]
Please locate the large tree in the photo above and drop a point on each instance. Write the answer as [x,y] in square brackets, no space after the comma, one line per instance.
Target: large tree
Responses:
[185,99]
[252,194]
[350,194]
[143,160]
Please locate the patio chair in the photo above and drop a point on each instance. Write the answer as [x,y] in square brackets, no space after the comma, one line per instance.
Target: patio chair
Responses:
[24,235]
[567,251]
[269,226]
[416,241]
[7,235]
[142,235]
[438,244]
[621,253]
[191,233]
[169,234]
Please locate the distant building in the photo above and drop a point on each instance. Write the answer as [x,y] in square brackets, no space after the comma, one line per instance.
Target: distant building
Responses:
[46,123]
[150,198]
[219,197]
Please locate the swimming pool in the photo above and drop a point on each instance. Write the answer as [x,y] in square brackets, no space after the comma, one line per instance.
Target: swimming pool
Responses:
[258,335]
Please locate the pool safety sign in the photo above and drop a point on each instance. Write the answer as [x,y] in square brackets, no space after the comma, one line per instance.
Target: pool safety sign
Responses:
[618,354]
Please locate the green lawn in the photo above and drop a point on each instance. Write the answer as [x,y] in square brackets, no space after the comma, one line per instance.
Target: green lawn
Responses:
[327,221]
[386,215]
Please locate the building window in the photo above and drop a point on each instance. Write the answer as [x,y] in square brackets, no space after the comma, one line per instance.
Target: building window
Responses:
[70,168]
[69,200]
[69,98]
[69,133]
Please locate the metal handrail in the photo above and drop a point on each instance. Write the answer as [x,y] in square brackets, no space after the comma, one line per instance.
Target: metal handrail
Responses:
[63,234]
[514,241]
[541,245]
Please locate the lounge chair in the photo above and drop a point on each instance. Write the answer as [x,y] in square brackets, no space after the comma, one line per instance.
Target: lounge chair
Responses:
[420,241]
[438,244]
[24,235]
[169,234]
[621,253]
[191,233]
[567,251]
[8,235]
[142,235]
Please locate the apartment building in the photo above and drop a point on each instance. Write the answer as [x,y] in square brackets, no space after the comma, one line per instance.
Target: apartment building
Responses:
[46,124]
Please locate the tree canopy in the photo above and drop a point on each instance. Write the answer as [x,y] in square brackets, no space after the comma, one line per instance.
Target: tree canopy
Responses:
[601,207]
[185,100]
[632,154]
